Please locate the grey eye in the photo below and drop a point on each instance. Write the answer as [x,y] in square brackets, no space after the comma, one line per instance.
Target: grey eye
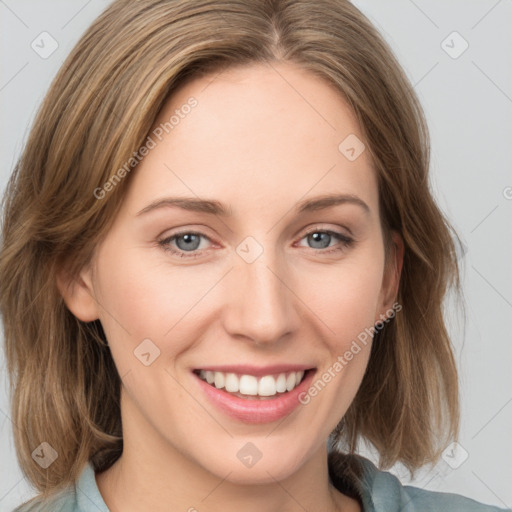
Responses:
[316,238]
[191,241]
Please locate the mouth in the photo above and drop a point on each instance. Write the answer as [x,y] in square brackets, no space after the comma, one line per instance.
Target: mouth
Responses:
[254,395]
[252,387]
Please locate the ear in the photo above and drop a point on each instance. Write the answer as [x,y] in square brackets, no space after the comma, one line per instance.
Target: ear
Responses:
[78,293]
[391,278]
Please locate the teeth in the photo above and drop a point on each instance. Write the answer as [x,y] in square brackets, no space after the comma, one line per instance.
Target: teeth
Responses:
[219,380]
[290,381]
[268,385]
[248,385]
[231,383]
[281,383]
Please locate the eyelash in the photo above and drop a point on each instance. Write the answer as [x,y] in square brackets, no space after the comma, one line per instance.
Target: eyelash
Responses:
[346,242]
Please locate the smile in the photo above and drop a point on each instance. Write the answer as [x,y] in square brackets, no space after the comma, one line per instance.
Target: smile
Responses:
[250,386]
[254,395]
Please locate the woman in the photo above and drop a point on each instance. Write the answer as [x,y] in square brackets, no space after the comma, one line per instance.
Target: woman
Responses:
[222,268]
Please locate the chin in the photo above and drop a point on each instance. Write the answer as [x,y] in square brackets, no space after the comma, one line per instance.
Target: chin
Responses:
[250,466]
[260,474]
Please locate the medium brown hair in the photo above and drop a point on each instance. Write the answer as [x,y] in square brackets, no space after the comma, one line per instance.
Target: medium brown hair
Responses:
[98,112]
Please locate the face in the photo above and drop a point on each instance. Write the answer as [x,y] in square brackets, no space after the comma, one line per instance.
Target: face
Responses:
[231,322]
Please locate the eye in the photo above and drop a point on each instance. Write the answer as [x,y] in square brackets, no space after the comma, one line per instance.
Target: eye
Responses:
[186,241]
[321,239]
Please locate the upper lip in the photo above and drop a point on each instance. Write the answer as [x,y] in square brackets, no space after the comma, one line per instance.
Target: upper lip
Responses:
[257,371]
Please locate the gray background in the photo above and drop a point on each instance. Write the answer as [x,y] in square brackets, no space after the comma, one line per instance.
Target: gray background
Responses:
[468,102]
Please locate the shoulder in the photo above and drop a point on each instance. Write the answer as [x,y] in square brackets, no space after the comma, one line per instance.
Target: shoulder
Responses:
[64,501]
[84,496]
[383,492]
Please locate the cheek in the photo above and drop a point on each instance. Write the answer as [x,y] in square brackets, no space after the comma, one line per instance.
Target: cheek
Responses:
[345,302]
[345,299]
[345,306]
[146,300]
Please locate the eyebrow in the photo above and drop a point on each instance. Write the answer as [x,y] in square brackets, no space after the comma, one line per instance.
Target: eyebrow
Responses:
[214,207]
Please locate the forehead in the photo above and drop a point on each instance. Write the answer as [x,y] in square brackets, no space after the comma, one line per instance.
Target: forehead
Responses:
[254,134]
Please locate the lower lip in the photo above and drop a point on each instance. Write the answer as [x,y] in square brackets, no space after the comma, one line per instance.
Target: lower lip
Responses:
[255,410]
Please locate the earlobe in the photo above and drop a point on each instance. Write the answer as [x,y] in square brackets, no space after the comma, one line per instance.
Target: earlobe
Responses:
[392,273]
[78,294]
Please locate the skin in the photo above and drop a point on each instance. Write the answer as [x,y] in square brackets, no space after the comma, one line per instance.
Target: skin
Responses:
[261,139]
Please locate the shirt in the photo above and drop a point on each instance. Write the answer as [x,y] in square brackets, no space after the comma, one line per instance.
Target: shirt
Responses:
[380,491]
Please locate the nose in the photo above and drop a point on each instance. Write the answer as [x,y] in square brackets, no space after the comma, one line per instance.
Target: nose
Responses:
[262,307]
